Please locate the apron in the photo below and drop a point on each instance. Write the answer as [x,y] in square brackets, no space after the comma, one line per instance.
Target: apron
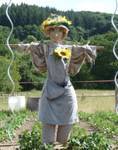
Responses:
[58,103]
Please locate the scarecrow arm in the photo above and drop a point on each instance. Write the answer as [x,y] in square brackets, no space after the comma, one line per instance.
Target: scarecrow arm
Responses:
[80,55]
[37,53]
[23,47]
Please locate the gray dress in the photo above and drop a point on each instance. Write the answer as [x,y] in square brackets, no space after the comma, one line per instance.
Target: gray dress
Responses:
[58,103]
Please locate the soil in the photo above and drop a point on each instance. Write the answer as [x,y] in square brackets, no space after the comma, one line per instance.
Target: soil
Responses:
[86,126]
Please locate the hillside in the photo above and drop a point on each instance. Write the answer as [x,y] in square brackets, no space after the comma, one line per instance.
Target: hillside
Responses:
[93,26]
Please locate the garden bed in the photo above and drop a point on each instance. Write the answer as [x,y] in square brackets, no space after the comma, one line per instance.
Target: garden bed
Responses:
[94,130]
[16,123]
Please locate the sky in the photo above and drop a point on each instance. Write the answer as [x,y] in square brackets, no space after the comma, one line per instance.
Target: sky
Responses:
[107,6]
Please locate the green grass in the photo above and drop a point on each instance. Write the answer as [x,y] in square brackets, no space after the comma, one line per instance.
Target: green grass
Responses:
[86,103]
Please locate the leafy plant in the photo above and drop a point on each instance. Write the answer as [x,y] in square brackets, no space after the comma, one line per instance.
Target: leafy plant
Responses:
[94,141]
[31,140]
[11,123]
[105,122]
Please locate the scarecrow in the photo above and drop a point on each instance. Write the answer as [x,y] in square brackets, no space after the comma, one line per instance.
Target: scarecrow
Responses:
[58,108]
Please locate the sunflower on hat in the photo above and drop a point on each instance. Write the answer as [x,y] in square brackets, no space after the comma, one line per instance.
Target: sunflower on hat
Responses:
[56,21]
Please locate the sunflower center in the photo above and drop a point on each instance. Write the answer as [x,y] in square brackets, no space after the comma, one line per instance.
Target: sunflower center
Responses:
[63,53]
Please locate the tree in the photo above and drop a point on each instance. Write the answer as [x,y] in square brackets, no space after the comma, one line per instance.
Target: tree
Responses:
[4,32]
[30,38]
[5,83]
[28,72]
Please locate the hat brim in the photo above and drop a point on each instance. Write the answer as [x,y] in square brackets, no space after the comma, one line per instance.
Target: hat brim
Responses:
[49,28]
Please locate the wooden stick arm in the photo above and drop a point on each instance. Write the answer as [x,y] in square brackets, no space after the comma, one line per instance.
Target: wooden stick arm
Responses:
[98,48]
[20,46]
[26,44]
[25,47]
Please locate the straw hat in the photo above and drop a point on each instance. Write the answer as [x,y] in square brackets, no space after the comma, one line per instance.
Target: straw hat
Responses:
[55,21]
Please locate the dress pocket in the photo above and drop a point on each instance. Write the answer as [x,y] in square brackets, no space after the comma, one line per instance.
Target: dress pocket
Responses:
[53,90]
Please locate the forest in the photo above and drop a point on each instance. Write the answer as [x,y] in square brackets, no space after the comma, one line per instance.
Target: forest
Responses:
[86,26]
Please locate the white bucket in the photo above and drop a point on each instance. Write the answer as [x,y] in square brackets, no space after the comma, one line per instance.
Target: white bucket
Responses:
[16,102]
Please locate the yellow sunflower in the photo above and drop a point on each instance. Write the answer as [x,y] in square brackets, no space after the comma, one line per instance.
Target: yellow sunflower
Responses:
[55,20]
[62,52]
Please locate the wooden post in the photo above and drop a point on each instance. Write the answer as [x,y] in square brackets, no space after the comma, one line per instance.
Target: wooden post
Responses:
[116,99]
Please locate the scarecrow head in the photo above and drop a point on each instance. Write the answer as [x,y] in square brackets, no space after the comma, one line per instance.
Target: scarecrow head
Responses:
[56,27]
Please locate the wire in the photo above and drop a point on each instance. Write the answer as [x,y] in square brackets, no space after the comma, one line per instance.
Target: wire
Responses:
[115,44]
[114,52]
[8,45]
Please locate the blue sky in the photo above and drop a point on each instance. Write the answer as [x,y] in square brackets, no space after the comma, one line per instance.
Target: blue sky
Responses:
[107,6]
